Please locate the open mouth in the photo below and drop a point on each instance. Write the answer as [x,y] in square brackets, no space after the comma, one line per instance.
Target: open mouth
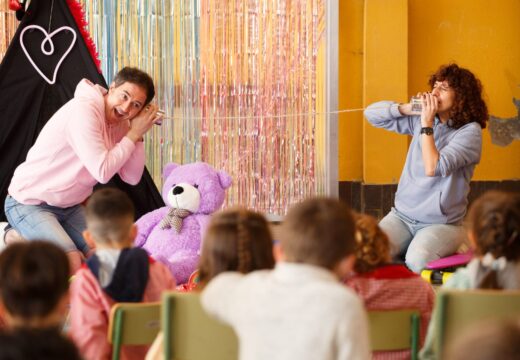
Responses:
[119,114]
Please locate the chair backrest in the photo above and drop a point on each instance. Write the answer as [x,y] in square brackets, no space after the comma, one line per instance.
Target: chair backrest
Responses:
[457,310]
[394,330]
[133,324]
[190,334]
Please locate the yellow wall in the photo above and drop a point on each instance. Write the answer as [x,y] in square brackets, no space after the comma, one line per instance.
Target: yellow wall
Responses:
[481,35]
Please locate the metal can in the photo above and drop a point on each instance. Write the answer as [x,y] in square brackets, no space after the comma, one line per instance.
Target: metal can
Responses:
[416,102]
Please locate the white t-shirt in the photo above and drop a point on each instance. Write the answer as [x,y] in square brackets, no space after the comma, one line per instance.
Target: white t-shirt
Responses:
[295,311]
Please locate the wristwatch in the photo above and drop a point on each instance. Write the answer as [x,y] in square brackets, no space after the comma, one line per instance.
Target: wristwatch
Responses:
[427,130]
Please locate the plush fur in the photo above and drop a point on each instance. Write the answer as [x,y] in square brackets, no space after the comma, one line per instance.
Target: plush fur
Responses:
[196,187]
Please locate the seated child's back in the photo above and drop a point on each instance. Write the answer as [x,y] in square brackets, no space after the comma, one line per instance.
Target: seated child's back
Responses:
[299,310]
[386,286]
[237,239]
[494,233]
[116,273]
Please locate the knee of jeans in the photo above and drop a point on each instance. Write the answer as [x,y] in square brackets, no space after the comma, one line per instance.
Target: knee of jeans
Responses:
[416,260]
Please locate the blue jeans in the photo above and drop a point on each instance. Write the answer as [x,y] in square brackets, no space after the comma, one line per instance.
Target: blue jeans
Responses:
[420,242]
[62,226]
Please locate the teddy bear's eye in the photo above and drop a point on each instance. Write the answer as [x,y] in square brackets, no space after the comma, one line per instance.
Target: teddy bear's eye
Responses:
[196,186]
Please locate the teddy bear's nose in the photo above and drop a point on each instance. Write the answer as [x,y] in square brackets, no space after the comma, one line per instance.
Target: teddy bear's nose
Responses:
[178,190]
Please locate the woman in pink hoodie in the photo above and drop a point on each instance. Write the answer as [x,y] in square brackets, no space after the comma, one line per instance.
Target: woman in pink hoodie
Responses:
[88,140]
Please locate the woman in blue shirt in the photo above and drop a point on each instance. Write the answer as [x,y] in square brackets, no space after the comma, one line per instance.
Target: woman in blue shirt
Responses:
[431,199]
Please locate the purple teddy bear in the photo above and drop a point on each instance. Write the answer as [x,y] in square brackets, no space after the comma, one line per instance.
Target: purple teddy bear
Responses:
[173,234]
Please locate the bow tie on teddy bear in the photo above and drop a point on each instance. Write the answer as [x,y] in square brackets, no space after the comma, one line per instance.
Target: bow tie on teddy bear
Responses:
[173,219]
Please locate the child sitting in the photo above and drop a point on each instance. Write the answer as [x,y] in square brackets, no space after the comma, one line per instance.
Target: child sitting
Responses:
[494,233]
[115,273]
[383,285]
[299,310]
[34,283]
[236,240]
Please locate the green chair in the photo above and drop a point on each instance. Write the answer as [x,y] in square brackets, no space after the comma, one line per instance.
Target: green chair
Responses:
[133,324]
[190,334]
[458,310]
[392,330]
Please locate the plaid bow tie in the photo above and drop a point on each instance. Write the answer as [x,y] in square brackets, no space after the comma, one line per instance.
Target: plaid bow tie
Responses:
[174,219]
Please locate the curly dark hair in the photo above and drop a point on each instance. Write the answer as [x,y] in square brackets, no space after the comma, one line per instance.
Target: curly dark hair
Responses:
[372,244]
[468,105]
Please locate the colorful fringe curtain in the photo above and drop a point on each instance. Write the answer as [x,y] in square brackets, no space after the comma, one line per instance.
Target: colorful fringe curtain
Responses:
[8,25]
[242,83]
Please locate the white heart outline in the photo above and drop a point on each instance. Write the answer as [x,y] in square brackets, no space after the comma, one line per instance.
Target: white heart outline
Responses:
[48,37]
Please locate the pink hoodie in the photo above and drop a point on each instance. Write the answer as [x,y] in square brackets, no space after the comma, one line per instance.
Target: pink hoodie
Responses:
[75,150]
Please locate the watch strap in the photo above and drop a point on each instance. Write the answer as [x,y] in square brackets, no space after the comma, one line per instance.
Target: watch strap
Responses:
[427,130]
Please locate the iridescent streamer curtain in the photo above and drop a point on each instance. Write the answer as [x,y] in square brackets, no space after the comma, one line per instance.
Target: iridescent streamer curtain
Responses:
[8,26]
[242,84]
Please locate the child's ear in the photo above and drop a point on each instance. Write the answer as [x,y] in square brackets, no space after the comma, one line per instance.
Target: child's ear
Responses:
[89,239]
[278,253]
[5,316]
[345,266]
[133,232]
[62,308]
[472,240]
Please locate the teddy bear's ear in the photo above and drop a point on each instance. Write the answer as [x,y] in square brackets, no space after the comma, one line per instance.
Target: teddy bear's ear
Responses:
[225,179]
[168,168]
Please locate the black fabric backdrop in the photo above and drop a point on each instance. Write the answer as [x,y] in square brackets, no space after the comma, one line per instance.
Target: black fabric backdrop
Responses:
[27,101]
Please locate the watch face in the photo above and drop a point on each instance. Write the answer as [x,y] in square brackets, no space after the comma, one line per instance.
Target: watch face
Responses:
[427,130]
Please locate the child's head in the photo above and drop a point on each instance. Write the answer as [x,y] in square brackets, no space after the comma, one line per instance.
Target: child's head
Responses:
[494,227]
[494,224]
[372,244]
[110,219]
[490,339]
[320,232]
[34,283]
[237,239]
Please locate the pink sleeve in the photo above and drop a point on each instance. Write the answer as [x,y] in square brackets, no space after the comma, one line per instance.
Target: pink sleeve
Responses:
[85,136]
[89,318]
[132,170]
[160,280]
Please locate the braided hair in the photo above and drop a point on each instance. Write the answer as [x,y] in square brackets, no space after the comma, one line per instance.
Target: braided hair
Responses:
[237,239]
[494,221]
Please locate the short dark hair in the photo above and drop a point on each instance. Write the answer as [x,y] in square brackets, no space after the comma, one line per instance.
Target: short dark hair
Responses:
[109,214]
[36,343]
[237,239]
[488,339]
[138,77]
[318,231]
[34,276]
